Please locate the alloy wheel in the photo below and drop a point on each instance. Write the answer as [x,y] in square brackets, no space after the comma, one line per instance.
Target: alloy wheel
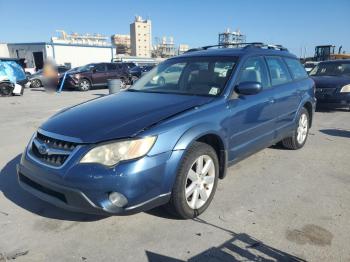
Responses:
[200,181]
[302,128]
[85,85]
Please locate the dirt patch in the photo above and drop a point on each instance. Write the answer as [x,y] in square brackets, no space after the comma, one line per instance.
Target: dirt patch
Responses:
[310,234]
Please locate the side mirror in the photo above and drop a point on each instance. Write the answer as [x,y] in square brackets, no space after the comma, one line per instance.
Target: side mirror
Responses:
[248,88]
[93,70]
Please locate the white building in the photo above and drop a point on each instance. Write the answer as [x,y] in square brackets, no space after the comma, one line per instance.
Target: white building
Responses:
[141,37]
[4,51]
[73,55]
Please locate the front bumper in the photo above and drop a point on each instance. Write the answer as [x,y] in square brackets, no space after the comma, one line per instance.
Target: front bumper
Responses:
[69,82]
[146,183]
[336,99]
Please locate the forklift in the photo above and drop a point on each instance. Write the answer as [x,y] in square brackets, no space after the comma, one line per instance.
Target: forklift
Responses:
[327,52]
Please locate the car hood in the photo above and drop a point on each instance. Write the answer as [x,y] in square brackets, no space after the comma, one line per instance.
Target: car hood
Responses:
[330,81]
[119,116]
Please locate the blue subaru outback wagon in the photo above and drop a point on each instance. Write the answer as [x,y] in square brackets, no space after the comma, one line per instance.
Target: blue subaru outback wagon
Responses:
[170,137]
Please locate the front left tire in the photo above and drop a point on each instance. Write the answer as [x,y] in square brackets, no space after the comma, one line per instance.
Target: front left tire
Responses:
[196,181]
[84,85]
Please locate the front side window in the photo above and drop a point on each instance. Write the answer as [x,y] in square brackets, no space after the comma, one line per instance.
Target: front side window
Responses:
[254,70]
[331,69]
[278,71]
[295,67]
[188,75]
[100,68]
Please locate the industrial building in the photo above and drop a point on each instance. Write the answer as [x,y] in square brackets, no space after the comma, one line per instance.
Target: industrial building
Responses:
[72,50]
[122,44]
[141,37]
[228,38]
[71,55]
[80,39]
[164,48]
[183,48]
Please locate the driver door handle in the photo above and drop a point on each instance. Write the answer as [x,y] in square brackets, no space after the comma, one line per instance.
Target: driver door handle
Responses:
[271,100]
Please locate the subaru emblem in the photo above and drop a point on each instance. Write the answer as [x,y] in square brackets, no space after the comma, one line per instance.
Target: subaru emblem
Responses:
[43,149]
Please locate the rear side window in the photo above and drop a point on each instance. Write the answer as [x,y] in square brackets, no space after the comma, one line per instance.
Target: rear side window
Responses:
[278,71]
[100,68]
[254,70]
[295,67]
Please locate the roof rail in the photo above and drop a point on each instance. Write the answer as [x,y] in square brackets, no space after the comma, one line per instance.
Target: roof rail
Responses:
[241,45]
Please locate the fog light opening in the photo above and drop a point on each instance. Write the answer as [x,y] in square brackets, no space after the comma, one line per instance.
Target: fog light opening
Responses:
[117,199]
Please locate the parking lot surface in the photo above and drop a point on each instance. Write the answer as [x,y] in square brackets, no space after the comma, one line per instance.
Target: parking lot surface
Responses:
[277,205]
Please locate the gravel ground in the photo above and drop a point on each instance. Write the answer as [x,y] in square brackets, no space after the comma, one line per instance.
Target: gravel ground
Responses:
[277,205]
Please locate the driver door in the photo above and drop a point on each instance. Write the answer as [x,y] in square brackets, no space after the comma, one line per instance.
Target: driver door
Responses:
[251,125]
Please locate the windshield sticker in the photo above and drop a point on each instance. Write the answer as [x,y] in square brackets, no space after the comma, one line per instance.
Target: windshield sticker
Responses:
[214,91]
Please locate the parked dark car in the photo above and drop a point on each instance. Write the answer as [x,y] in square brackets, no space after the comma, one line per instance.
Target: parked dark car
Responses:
[37,79]
[128,64]
[170,142]
[332,80]
[96,74]
[137,71]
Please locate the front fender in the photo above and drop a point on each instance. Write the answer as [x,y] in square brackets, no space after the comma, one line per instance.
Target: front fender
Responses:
[196,132]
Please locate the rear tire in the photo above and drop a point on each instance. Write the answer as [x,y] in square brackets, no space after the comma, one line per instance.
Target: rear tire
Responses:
[196,181]
[36,83]
[84,85]
[299,137]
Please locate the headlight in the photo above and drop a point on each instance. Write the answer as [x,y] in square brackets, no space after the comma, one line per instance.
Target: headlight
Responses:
[75,76]
[345,89]
[111,154]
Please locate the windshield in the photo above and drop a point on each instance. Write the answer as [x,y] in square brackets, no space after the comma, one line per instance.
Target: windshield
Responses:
[188,76]
[331,69]
[85,67]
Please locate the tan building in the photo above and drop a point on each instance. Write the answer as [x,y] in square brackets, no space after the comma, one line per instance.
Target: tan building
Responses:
[122,44]
[141,37]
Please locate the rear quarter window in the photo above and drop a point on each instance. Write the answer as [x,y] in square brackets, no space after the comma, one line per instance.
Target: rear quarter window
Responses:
[295,67]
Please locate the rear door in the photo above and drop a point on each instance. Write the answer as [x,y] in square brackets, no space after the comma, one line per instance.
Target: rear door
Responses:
[284,92]
[99,76]
[112,72]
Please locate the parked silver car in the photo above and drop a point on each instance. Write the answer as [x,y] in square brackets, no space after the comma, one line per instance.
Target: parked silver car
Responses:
[37,79]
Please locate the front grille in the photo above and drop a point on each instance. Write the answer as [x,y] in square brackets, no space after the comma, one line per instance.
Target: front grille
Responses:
[41,188]
[50,150]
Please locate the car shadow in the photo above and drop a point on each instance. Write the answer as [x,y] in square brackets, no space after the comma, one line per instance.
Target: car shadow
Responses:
[162,212]
[37,89]
[240,247]
[336,132]
[329,109]
[12,191]
[99,95]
